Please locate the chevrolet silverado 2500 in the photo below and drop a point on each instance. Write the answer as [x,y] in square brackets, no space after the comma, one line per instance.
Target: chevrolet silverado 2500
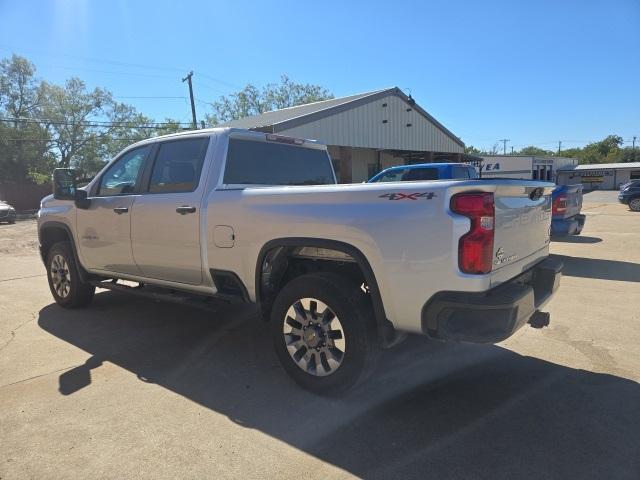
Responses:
[340,271]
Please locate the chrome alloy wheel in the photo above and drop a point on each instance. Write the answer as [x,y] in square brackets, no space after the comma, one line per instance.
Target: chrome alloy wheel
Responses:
[314,337]
[60,276]
[635,204]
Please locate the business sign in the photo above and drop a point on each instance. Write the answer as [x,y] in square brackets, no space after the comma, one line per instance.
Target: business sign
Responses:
[591,173]
[490,167]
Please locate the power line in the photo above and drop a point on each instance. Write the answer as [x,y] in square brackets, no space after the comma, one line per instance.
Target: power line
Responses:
[92,123]
[154,97]
[217,80]
[110,72]
[121,64]
[96,60]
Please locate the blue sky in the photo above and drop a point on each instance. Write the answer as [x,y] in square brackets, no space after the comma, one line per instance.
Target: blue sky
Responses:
[535,72]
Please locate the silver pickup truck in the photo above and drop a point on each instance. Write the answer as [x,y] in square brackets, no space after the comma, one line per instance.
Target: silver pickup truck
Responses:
[340,271]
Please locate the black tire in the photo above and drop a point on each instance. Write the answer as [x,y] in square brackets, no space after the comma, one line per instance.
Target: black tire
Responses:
[74,293]
[634,204]
[353,309]
[11,222]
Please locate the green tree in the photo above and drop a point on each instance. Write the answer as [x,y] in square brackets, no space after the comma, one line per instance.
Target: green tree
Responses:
[471,150]
[24,144]
[71,113]
[169,125]
[88,127]
[24,153]
[20,92]
[535,151]
[44,125]
[605,151]
[254,101]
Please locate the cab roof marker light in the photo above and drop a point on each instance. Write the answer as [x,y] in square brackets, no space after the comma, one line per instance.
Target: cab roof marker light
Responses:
[282,139]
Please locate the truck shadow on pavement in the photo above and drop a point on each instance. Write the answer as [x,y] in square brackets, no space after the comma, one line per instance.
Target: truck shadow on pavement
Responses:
[432,410]
[599,268]
[575,239]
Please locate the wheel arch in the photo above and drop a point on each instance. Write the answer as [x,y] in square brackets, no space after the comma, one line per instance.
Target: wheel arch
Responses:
[360,259]
[52,232]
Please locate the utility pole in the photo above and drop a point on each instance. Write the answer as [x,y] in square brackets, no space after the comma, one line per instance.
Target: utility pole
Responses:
[511,149]
[559,146]
[193,105]
[634,148]
[504,145]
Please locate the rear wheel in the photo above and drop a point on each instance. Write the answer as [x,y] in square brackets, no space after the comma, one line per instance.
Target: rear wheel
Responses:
[324,332]
[67,288]
[634,204]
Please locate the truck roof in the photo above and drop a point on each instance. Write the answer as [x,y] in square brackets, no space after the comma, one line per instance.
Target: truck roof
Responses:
[228,130]
[432,165]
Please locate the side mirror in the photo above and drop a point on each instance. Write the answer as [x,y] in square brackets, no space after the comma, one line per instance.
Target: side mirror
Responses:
[81,200]
[64,184]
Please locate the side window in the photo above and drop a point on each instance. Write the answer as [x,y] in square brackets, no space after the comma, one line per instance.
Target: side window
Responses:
[460,172]
[392,176]
[178,165]
[121,177]
[413,174]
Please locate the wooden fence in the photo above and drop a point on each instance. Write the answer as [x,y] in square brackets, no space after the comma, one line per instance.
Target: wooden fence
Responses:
[24,197]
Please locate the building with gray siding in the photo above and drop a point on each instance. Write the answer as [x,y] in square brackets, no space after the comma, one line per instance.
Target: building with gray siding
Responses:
[365,133]
[603,176]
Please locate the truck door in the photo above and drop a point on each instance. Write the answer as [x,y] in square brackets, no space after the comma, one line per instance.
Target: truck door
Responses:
[104,229]
[165,220]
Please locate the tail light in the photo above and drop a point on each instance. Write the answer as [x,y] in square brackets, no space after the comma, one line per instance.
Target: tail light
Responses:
[559,205]
[475,248]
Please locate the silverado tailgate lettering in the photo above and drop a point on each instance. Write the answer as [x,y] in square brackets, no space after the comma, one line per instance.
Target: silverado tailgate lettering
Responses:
[408,196]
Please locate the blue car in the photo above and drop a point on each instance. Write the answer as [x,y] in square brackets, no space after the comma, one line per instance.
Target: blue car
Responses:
[426,171]
[566,205]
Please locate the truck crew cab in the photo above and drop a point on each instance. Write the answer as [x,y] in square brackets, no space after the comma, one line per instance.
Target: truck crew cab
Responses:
[340,271]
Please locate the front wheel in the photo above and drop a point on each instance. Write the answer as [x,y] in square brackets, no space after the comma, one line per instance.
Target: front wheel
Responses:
[324,332]
[634,204]
[67,288]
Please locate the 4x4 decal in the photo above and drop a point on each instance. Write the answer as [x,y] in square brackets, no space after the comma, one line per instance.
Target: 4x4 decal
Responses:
[408,196]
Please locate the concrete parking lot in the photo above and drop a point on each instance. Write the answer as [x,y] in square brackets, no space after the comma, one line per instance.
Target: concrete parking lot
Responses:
[132,388]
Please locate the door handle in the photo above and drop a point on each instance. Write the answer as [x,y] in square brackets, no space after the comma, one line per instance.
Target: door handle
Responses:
[121,210]
[184,209]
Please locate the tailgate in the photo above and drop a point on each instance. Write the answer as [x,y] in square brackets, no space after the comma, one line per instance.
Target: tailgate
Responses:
[523,221]
[574,200]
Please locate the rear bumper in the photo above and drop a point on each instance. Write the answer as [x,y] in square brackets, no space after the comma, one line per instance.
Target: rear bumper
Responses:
[568,226]
[492,316]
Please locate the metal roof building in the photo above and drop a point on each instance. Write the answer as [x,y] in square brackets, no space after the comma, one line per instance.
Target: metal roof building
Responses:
[604,176]
[365,133]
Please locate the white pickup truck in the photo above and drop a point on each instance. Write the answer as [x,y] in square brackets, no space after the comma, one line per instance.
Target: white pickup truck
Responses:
[340,271]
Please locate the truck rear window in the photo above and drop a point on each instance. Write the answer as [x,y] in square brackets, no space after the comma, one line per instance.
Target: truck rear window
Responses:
[264,163]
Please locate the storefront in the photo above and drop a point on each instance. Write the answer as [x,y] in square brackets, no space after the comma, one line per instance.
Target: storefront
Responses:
[603,176]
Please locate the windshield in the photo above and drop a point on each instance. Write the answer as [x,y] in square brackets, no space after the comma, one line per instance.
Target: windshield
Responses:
[408,174]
